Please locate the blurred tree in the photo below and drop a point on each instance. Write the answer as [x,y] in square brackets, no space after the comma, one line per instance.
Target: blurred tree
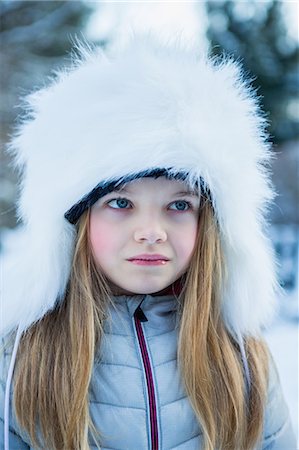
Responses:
[256,33]
[34,37]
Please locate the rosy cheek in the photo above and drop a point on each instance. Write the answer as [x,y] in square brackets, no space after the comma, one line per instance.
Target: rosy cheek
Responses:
[101,237]
[187,243]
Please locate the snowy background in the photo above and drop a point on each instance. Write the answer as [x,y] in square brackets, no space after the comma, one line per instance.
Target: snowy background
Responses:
[282,338]
[36,36]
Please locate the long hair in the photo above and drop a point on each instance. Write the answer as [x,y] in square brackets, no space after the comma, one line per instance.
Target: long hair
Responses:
[209,356]
[56,355]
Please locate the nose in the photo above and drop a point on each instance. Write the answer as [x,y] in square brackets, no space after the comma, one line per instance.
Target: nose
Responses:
[151,233]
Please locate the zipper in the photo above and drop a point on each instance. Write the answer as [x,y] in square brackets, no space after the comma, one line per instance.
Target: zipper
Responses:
[139,317]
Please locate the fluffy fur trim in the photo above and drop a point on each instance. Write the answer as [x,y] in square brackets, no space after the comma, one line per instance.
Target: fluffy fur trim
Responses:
[147,106]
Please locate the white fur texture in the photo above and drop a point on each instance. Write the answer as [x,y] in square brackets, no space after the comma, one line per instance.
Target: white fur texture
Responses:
[148,106]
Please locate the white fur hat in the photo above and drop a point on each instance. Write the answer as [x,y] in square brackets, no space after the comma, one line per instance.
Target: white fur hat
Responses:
[145,107]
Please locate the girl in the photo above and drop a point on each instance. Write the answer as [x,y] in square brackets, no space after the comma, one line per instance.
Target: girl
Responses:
[145,277]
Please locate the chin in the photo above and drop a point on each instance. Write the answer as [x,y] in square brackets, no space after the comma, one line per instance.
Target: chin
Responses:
[140,289]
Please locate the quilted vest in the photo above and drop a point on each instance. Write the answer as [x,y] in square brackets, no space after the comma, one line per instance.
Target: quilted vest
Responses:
[137,400]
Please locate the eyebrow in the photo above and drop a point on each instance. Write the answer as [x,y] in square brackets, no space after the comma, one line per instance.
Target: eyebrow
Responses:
[180,193]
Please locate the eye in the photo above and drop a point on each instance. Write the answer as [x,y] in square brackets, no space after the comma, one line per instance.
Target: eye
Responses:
[181,205]
[119,203]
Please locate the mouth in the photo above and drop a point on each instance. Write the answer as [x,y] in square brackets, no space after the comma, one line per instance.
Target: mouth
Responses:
[149,260]
[144,262]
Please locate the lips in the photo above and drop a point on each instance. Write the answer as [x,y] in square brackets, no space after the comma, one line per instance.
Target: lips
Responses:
[149,257]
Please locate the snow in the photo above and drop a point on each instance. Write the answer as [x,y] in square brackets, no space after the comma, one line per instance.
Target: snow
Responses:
[282,338]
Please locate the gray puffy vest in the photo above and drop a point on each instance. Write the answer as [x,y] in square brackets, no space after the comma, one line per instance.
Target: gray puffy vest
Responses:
[137,399]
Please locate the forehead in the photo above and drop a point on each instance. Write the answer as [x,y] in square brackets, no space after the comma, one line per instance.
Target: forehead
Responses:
[160,184]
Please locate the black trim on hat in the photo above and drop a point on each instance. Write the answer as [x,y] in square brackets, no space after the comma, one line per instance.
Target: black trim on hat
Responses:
[103,188]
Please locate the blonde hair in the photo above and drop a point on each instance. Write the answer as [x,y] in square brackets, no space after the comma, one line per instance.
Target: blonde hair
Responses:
[56,355]
[210,358]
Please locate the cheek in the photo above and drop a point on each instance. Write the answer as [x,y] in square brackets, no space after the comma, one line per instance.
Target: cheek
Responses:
[102,237]
[186,241]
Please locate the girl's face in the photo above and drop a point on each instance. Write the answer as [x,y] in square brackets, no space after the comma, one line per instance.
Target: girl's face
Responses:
[143,235]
